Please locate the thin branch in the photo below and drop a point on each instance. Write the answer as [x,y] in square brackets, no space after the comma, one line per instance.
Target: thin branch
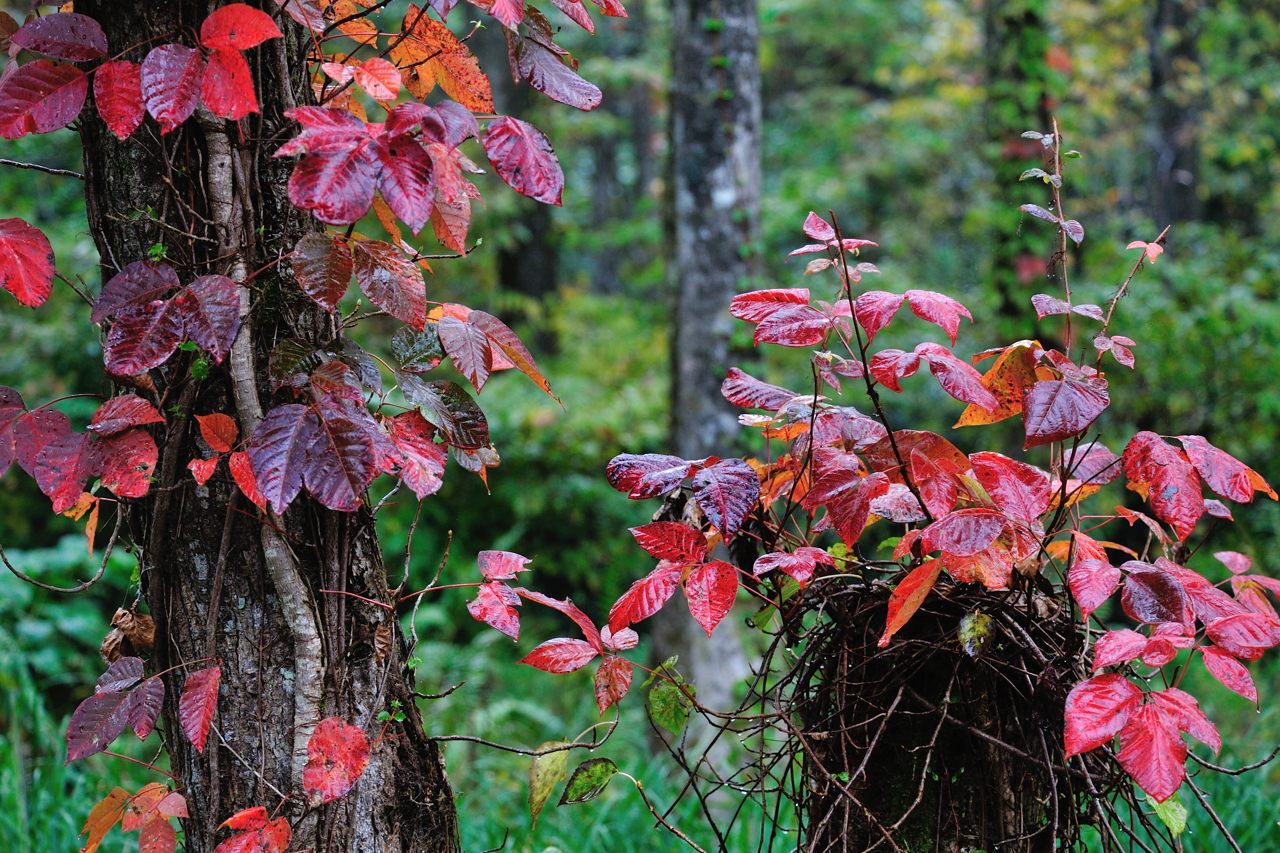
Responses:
[48,170]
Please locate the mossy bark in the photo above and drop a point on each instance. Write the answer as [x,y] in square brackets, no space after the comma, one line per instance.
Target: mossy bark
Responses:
[214,198]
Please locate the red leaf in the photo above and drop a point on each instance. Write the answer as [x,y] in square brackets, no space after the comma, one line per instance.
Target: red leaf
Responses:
[337,754]
[143,706]
[534,62]
[850,510]
[1235,561]
[613,681]
[32,431]
[171,77]
[645,597]
[40,97]
[965,532]
[907,597]
[337,187]
[196,705]
[237,26]
[1116,647]
[671,540]
[1230,672]
[501,565]
[1055,409]
[942,311]
[1097,709]
[873,310]
[264,836]
[799,565]
[1154,597]
[1245,635]
[278,452]
[157,836]
[96,722]
[11,409]
[469,349]
[1152,752]
[121,413]
[1182,708]
[120,675]
[117,92]
[406,179]
[647,475]
[242,473]
[1020,490]
[1092,582]
[742,389]
[135,286]
[890,366]
[344,455]
[203,469]
[391,281]
[817,228]
[127,461]
[759,304]
[727,492]
[794,326]
[561,655]
[957,377]
[210,311]
[379,78]
[1162,474]
[65,35]
[143,338]
[322,265]
[219,431]
[227,88]
[523,157]
[504,342]
[26,262]
[568,608]
[711,589]
[495,605]
[937,486]
[423,462]
[1225,474]
[62,466]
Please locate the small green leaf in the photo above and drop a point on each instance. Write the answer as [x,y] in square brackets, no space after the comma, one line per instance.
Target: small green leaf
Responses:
[975,632]
[1033,173]
[200,368]
[588,781]
[669,705]
[545,772]
[888,544]
[1172,813]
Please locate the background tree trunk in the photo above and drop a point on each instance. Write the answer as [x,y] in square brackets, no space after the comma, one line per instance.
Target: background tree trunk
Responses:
[715,222]
[220,581]
[1175,112]
[1017,42]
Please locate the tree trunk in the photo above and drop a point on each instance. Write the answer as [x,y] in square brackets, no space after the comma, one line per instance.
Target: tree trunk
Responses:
[715,164]
[1017,41]
[1175,112]
[220,582]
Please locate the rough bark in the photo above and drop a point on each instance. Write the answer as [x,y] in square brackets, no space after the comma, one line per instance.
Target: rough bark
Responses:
[715,187]
[220,581]
[1175,112]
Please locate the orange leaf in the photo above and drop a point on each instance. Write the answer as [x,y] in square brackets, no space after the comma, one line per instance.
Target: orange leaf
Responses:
[430,54]
[1008,379]
[104,815]
[907,597]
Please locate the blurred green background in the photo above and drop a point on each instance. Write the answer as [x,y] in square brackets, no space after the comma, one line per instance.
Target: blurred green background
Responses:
[887,112]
